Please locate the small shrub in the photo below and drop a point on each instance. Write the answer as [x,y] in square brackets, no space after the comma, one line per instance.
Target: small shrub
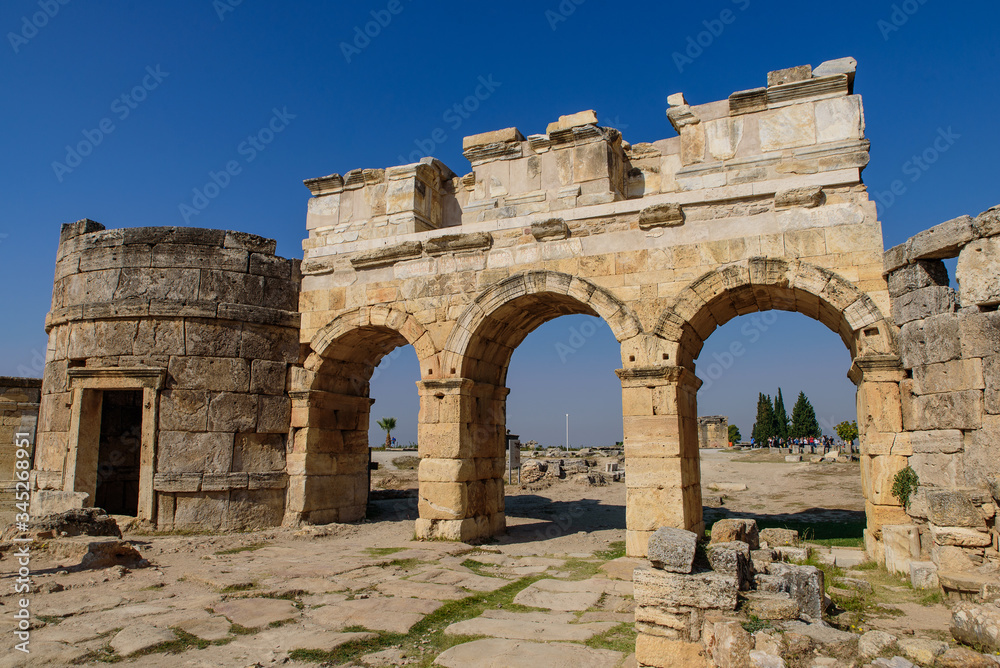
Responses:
[904,484]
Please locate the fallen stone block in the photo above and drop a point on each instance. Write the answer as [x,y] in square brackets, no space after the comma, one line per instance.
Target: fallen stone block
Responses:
[75,522]
[960,536]
[133,639]
[960,657]
[705,591]
[792,459]
[976,625]
[760,659]
[87,554]
[779,537]
[804,584]
[768,605]
[727,644]
[873,643]
[727,531]
[922,650]
[786,553]
[733,559]
[673,549]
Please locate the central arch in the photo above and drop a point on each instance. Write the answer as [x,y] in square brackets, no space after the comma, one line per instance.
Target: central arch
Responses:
[463,417]
[663,470]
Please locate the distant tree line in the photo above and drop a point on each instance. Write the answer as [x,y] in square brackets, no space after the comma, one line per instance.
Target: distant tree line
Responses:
[773,421]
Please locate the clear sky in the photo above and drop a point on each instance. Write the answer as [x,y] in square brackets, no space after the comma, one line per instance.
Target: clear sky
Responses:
[160,95]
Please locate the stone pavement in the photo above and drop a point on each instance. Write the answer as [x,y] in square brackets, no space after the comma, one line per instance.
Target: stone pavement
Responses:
[346,595]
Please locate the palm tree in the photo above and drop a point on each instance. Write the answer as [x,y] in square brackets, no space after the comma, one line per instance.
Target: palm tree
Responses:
[387,424]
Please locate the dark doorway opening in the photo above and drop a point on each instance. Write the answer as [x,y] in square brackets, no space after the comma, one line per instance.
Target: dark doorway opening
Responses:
[118,454]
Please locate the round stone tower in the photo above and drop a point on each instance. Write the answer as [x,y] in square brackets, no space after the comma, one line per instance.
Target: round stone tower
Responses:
[164,394]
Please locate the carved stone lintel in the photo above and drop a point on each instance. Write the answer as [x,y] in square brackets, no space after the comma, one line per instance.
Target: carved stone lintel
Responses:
[387,255]
[809,198]
[669,214]
[553,229]
[452,243]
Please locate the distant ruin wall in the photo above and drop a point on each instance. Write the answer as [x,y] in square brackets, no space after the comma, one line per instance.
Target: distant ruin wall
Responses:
[19,400]
[713,431]
[205,324]
[950,434]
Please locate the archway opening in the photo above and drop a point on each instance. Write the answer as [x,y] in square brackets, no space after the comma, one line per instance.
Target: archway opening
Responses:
[797,474]
[565,407]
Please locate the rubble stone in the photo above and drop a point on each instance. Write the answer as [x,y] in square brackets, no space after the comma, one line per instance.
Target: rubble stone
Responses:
[673,549]
[745,531]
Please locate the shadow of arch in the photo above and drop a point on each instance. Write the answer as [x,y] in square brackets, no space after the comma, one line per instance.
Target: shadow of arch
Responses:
[763,284]
[490,329]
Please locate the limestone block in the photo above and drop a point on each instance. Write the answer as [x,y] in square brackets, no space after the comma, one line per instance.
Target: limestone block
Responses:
[779,537]
[183,452]
[923,303]
[766,605]
[846,66]
[960,536]
[661,215]
[553,229]
[580,118]
[920,274]
[804,584]
[953,508]
[724,136]
[255,508]
[980,333]
[839,119]
[923,575]
[946,410]
[991,379]
[693,141]
[220,374]
[202,510]
[267,377]
[660,652]
[184,410]
[882,469]
[655,472]
[787,127]
[177,482]
[879,516]
[232,412]
[976,625]
[273,414]
[212,339]
[159,337]
[874,643]
[978,273]
[48,502]
[259,453]
[988,223]
[728,644]
[704,591]
[727,531]
[808,197]
[938,470]
[902,546]
[955,376]
[896,258]
[942,241]
[443,500]
[733,559]
[672,549]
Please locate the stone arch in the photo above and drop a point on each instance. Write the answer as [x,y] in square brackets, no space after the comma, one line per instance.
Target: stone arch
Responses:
[763,284]
[463,417]
[499,319]
[663,460]
[328,455]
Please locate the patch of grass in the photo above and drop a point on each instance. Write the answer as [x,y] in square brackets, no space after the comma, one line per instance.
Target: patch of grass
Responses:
[155,587]
[383,551]
[479,568]
[755,623]
[933,598]
[49,619]
[238,630]
[236,588]
[616,550]
[619,639]
[243,548]
[406,564]
[866,566]
[426,640]
[581,569]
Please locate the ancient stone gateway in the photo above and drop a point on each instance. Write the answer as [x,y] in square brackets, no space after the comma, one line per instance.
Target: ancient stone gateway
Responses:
[196,380]
[757,205]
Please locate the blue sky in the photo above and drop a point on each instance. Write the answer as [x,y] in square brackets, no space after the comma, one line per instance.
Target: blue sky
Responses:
[199,77]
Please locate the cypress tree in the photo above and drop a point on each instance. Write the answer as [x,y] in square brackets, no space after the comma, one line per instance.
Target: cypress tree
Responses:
[763,429]
[804,423]
[780,417]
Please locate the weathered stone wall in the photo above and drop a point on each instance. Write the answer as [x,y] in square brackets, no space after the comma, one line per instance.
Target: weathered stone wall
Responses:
[205,324]
[950,349]
[713,431]
[19,401]
[757,204]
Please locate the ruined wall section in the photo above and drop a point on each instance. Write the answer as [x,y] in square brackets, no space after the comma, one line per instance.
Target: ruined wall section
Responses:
[713,431]
[19,402]
[950,349]
[215,314]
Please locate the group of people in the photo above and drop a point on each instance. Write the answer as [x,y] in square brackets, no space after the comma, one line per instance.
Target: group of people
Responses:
[813,445]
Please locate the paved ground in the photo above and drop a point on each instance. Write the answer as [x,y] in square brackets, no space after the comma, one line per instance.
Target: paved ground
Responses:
[550,593]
